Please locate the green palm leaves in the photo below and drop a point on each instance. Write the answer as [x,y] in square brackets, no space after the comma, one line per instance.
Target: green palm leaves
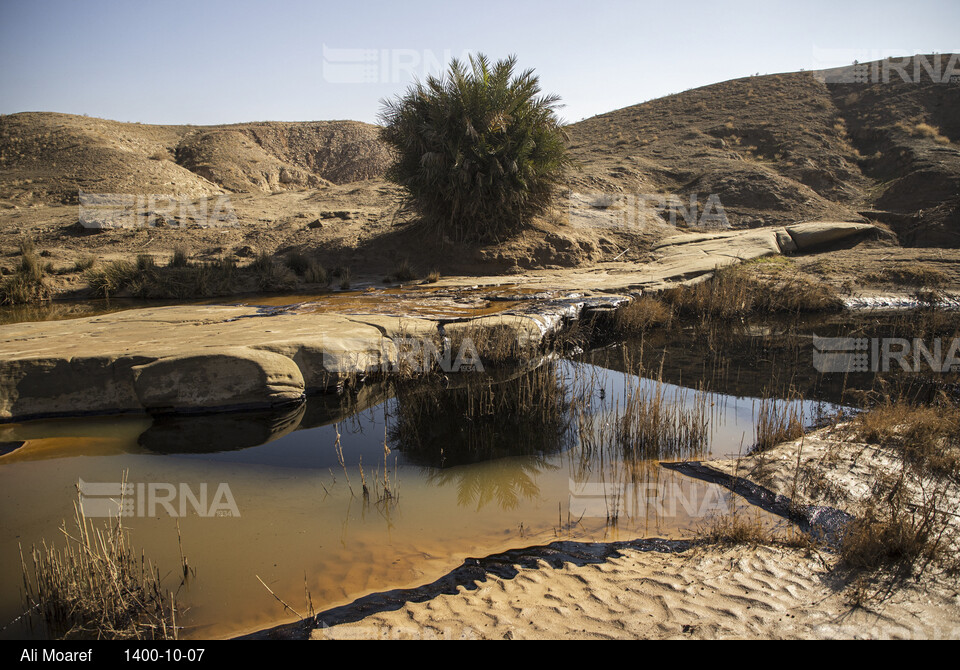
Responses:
[479,150]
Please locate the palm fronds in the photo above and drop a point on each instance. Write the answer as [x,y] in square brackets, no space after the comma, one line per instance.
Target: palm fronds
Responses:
[479,150]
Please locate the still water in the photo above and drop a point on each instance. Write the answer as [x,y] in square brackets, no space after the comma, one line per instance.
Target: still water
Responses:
[449,474]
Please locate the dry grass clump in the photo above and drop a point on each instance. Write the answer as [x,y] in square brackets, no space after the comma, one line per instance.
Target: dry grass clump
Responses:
[270,275]
[97,587]
[899,536]
[737,529]
[642,314]
[27,284]
[110,279]
[343,274]
[298,262]
[911,274]
[180,258]
[778,421]
[655,423]
[926,435]
[316,274]
[736,291]
[924,130]
[84,263]
[403,271]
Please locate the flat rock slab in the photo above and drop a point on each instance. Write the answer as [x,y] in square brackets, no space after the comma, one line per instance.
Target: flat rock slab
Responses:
[196,357]
[212,357]
[682,258]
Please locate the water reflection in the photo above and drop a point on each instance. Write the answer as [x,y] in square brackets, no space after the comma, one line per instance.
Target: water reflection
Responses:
[180,434]
[775,356]
[503,482]
[489,465]
[483,420]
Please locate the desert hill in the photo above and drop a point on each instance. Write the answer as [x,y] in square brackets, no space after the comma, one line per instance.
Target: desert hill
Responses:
[48,158]
[772,149]
[795,146]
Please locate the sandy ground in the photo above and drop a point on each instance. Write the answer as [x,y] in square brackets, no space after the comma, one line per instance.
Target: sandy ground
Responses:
[708,593]
[644,590]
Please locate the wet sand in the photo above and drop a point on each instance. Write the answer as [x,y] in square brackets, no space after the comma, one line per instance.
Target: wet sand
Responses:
[698,591]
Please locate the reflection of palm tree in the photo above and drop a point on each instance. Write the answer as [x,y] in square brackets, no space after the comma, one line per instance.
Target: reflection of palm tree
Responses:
[482,420]
[507,482]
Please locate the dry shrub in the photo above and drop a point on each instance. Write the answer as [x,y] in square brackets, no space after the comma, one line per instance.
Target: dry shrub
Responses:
[894,535]
[922,130]
[642,314]
[738,290]
[97,586]
[906,524]
[778,421]
[911,274]
[926,131]
[927,436]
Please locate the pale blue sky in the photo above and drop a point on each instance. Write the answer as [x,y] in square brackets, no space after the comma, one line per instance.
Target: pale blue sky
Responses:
[213,61]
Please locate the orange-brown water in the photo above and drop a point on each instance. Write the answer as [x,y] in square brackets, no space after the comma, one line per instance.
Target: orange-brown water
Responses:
[303,525]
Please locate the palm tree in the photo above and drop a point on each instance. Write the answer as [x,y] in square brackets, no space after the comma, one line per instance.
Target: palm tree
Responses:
[479,151]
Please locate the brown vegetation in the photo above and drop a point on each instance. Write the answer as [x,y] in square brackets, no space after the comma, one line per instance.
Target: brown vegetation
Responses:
[925,435]
[736,291]
[97,586]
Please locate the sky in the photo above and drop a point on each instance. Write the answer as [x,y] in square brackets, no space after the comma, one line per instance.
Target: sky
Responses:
[211,61]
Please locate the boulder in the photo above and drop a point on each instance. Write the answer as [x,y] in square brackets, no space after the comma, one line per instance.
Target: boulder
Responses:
[226,379]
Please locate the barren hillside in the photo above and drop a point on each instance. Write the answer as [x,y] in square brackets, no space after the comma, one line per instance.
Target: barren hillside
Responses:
[789,147]
[766,150]
[48,158]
